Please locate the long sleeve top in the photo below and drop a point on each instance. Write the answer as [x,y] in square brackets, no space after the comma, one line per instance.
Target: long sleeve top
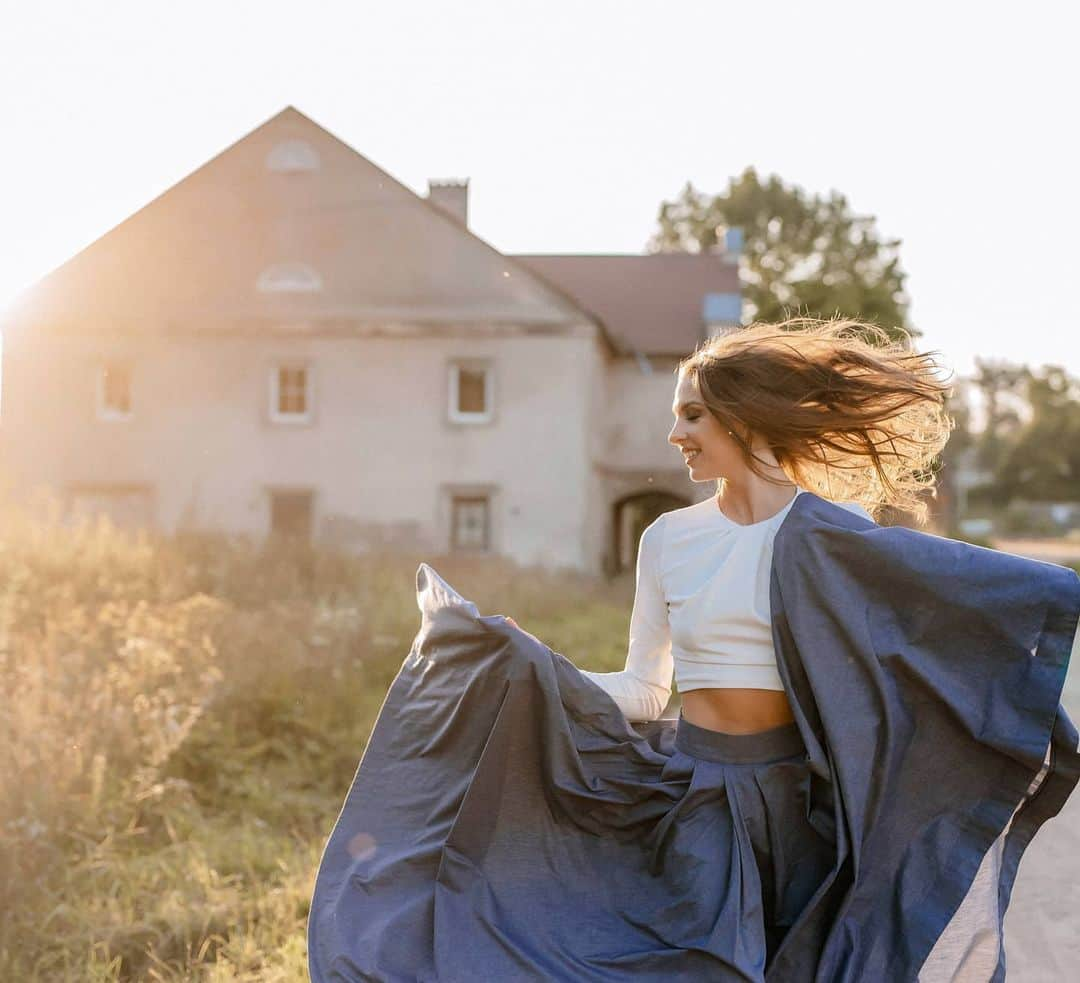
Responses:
[701,610]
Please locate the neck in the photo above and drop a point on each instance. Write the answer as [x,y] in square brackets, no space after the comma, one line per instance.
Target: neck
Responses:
[754,499]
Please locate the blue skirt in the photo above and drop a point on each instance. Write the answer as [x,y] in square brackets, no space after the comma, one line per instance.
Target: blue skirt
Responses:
[769,830]
[506,823]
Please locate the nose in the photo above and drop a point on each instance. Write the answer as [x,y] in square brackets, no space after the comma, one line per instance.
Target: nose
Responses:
[675,436]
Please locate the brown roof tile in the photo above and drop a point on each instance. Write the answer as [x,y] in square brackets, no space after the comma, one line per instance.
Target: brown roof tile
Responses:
[652,302]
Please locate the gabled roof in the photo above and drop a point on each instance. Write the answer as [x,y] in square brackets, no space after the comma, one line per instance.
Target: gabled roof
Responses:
[652,301]
[376,250]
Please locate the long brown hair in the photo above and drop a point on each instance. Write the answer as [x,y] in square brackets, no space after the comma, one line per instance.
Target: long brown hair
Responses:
[849,413]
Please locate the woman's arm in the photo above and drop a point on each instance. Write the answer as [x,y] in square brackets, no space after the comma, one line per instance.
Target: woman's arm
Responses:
[643,688]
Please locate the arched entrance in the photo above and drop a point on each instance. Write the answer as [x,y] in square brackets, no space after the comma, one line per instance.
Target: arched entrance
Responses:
[631,515]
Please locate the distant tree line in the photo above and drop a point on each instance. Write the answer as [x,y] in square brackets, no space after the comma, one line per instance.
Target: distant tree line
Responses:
[1029,444]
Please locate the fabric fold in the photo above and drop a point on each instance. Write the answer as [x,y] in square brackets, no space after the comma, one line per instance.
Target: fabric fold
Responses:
[954,659]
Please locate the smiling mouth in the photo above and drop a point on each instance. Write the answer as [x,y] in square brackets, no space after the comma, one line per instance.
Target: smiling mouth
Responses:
[689,456]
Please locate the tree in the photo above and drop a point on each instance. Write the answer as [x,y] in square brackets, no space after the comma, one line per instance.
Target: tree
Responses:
[1003,386]
[1029,446]
[1043,462]
[802,256]
[958,405]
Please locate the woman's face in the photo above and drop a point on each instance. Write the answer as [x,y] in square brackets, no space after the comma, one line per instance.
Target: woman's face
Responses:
[715,454]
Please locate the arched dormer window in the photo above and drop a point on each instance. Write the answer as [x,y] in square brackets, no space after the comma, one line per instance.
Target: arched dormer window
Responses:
[289,278]
[292,155]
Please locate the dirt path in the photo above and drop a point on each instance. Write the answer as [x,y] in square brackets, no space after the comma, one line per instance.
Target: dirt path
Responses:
[1042,924]
[1051,550]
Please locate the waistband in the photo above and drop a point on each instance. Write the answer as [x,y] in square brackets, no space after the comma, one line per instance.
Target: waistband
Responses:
[784,741]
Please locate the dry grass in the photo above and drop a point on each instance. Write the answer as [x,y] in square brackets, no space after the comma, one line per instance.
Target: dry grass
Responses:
[180,721]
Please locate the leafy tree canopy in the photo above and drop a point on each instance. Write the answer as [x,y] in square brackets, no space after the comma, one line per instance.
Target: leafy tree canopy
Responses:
[1042,463]
[802,255]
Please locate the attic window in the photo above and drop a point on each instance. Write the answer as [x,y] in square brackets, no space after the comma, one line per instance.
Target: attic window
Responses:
[289,278]
[292,155]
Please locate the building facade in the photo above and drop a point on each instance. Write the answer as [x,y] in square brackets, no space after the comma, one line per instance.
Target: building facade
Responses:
[291,341]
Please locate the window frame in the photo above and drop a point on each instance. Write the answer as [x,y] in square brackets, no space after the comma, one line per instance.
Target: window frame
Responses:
[471,497]
[310,492]
[454,414]
[493,493]
[145,491]
[105,412]
[274,414]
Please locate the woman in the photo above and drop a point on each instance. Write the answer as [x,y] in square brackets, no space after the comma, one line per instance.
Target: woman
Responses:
[870,731]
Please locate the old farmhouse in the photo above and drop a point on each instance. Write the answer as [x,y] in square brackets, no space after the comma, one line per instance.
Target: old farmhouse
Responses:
[290,340]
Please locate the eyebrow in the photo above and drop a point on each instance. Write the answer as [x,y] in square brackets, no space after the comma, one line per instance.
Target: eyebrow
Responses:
[683,406]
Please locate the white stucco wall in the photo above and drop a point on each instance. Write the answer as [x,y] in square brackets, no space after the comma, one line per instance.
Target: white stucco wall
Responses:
[640,406]
[380,453]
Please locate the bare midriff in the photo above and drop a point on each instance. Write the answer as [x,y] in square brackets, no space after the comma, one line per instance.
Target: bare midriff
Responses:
[737,711]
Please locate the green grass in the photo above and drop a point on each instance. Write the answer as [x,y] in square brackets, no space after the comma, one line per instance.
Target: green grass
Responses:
[181,720]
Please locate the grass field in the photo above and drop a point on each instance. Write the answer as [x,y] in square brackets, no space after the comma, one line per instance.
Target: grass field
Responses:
[1042,923]
[181,720]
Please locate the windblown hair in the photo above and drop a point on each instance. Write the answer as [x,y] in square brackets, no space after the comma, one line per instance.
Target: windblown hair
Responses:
[849,413]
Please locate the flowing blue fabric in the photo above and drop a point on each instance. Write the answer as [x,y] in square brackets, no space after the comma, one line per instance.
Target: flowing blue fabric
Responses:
[507,823]
[926,676]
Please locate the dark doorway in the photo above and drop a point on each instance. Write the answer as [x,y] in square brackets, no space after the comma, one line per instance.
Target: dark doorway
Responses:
[631,515]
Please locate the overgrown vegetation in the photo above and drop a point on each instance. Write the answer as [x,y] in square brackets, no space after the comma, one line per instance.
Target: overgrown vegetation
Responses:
[181,720]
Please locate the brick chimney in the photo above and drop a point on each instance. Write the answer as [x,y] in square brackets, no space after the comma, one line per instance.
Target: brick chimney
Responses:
[452,197]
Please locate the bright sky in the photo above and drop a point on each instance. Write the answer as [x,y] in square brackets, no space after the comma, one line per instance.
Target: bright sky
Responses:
[947,121]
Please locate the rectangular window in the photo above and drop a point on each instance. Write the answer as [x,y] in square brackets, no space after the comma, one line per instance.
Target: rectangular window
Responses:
[114,391]
[470,523]
[125,506]
[471,392]
[291,513]
[290,393]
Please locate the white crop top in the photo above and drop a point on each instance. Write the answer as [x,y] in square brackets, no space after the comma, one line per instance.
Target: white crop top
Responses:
[701,608]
